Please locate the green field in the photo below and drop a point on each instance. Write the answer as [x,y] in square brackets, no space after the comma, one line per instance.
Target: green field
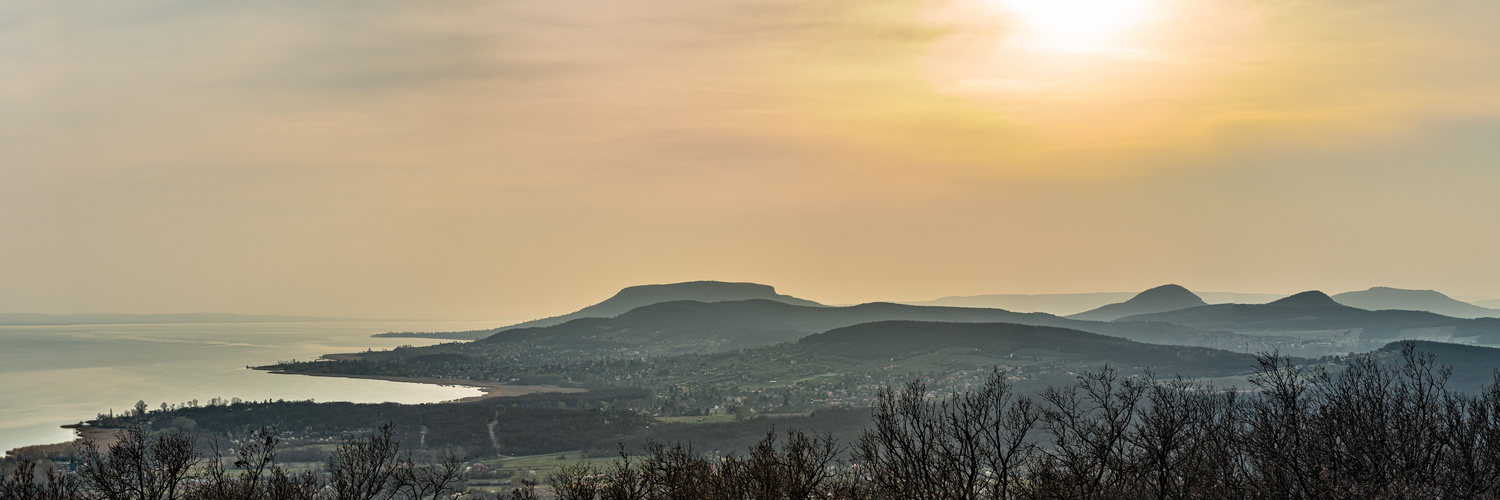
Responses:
[535,468]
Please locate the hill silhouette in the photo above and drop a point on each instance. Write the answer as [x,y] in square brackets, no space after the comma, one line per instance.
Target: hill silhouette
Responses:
[1312,298]
[681,327]
[1054,303]
[1316,313]
[633,297]
[1381,298]
[1064,304]
[643,295]
[1160,299]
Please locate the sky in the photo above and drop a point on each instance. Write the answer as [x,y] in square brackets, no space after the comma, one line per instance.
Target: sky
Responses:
[479,159]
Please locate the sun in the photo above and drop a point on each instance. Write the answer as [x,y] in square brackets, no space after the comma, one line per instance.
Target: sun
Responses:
[1075,25]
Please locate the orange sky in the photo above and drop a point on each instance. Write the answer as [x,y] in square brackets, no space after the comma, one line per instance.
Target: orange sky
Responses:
[480,159]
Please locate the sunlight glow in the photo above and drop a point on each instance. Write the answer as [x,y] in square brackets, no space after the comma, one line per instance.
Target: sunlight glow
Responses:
[1076,25]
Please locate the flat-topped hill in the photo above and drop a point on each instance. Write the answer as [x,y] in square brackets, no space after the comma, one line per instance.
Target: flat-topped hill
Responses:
[634,297]
[1383,298]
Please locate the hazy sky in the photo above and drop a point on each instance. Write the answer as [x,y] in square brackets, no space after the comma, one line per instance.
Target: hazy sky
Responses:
[521,158]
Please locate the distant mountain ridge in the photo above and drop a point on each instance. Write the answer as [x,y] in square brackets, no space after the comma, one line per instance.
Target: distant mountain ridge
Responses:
[1312,298]
[1063,304]
[35,319]
[1315,313]
[1160,299]
[644,295]
[633,297]
[1381,298]
[682,327]
[1055,303]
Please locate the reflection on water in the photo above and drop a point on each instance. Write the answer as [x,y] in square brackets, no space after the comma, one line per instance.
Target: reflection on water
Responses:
[56,375]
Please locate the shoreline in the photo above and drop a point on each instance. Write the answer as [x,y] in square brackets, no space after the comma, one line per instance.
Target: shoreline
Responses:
[490,389]
[100,436]
[105,437]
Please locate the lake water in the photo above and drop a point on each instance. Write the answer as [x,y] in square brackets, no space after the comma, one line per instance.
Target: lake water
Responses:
[56,375]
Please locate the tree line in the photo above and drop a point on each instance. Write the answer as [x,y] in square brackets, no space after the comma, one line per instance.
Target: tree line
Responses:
[1372,430]
[167,465]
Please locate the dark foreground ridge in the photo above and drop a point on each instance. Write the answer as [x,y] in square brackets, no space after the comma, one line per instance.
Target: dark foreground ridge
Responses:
[902,339]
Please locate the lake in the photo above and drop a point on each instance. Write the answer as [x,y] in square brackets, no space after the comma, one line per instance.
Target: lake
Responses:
[56,375]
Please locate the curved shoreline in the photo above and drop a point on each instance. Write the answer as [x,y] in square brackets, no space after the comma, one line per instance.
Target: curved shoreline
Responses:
[100,437]
[490,389]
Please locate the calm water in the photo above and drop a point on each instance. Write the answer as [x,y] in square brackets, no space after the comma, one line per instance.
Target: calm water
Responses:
[56,375]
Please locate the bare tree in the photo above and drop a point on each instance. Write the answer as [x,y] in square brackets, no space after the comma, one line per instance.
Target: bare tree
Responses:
[141,466]
[372,467]
[898,452]
[419,481]
[974,445]
[258,477]
[364,467]
[624,481]
[1088,424]
[796,469]
[580,481]
[1005,423]
[23,484]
